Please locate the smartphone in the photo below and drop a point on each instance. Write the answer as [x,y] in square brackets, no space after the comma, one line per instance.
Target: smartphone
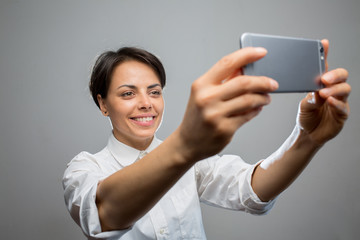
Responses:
[295,63]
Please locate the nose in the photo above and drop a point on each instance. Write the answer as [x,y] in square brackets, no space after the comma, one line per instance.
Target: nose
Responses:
[145,102]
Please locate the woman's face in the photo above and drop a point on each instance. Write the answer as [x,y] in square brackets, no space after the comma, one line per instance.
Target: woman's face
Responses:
[134,104]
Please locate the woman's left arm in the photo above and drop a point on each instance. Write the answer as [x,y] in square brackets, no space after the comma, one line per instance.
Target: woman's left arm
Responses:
[322,116]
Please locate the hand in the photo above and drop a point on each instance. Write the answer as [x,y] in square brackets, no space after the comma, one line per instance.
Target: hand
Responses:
[324,113]
[221,101]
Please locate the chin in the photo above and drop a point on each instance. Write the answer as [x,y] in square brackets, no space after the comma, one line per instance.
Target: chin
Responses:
[146,136]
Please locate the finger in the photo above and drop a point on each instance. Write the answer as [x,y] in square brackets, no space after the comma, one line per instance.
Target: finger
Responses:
[236,73]
[335,76]
[341,107]
[340,91]
[325,44]
[244,104]
[312,101]
[239,120]
[245,84]
[233,62]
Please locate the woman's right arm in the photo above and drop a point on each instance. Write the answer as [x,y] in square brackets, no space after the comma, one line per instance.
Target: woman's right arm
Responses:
[221,101]
[130,193]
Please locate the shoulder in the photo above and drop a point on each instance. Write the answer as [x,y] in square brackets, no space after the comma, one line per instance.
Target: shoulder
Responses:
[85,161]
[85,157]
[85,166]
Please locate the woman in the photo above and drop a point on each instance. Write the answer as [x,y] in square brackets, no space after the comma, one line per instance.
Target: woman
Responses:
[138,187]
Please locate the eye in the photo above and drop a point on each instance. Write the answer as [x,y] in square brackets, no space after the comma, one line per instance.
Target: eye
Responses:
[155,92]
[127,94]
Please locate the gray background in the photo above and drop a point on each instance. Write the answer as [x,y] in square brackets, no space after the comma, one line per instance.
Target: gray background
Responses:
[47,49]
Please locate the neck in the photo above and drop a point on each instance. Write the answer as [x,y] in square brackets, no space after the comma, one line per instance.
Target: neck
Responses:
[139,144]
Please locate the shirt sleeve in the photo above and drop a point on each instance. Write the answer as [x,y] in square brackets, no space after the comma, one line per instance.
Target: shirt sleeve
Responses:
[226,182]
[80,183]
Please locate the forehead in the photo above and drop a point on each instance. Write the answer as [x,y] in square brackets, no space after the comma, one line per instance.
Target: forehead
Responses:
[135,73]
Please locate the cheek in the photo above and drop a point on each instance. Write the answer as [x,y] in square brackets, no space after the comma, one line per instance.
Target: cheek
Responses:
[160,107]
[122,108]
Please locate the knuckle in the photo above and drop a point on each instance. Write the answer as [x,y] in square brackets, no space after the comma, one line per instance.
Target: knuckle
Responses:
[259,83]
[202,100]
[196,86]
[245,82]
[226,62]
[249,101]
[205,98]
[211,117]
[265,83]
[252,101]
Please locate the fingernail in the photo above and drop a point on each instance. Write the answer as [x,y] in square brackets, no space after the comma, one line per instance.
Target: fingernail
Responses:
[274,84]
[326,77]
[325,91]
[260,50]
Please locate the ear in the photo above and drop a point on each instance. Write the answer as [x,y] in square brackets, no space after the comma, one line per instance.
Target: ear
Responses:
[102,104]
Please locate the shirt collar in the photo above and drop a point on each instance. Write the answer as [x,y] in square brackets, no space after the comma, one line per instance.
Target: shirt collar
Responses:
[127,155]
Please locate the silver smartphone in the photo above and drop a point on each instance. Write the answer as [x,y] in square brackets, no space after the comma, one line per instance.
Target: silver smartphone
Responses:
[295,63]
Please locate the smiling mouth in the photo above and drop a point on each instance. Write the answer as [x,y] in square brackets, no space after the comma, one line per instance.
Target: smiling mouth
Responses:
[143,119]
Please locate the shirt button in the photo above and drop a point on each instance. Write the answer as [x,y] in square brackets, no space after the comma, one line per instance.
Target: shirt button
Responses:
[142,154]
[162,231]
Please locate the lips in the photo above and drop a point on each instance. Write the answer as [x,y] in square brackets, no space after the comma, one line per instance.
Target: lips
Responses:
[143,120]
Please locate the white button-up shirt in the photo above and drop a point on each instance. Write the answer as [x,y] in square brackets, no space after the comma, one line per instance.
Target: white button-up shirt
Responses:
[222,181]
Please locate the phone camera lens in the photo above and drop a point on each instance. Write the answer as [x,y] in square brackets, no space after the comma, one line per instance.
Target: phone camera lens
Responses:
[321,49]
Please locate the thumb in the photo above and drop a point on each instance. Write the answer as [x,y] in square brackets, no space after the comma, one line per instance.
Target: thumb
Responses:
[311,101]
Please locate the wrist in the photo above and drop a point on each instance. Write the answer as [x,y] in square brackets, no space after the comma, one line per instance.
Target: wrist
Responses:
[306,140]
[182,154]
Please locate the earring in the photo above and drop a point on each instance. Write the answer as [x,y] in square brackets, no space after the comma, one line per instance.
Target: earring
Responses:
[105,112]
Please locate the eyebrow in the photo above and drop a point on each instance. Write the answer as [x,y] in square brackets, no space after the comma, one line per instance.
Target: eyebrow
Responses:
[134,87]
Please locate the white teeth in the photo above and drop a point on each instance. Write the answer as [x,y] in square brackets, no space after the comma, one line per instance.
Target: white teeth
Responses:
[144,119]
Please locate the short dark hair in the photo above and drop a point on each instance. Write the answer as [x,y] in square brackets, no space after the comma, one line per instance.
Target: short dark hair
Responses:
[106,63]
